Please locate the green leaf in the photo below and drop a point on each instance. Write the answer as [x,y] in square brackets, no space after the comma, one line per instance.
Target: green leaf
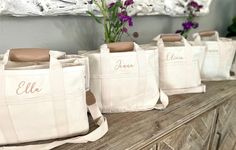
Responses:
[97,19]
[234,20]
[119,3]
[232,28]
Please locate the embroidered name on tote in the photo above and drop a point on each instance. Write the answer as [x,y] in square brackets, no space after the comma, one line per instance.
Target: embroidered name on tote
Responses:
[120,65]
[27,88]
[174,57]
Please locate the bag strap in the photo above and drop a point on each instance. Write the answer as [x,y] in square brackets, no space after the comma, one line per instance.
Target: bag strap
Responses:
[201,88]
[164,101]
[96,134]
[6,126]
[162,96]
[233,46]
[233,77]
[56,76]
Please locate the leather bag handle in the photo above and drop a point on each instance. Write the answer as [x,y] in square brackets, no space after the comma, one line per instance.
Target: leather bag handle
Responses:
[206,33]
[29,55]
[171,37]
[121,47]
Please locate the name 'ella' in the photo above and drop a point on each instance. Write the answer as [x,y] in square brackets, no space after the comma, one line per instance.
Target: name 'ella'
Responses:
[27,88]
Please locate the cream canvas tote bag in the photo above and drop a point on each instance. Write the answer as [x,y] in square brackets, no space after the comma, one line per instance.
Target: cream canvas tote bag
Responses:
[180,65]
[45,100]
[125,81]
[219,55]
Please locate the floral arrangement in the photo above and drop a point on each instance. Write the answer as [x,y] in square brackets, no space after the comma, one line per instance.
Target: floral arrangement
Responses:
[192,9]
[115,19]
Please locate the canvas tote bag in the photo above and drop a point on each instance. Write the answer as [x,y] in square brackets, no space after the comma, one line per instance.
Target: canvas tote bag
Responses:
[125,78]
[41,100]
[180,65]
[219,55]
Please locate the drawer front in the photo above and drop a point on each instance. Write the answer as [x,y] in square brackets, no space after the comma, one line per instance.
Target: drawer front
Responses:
[195,135]
[226,126]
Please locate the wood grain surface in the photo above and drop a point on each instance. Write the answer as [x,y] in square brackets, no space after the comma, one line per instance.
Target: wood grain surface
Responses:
[191,122]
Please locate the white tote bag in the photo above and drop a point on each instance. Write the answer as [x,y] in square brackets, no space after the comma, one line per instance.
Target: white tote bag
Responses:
[46,100]
[219,55]
[180,65]
[126,81]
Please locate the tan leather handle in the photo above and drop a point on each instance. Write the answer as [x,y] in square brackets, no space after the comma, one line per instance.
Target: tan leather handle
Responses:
[171,37]
[121,46]
[29,55]
[206,33]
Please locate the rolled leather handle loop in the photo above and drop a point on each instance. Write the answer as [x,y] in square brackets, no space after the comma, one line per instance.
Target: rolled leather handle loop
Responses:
[171,37]
[120,47]
[207,33]
[29,55]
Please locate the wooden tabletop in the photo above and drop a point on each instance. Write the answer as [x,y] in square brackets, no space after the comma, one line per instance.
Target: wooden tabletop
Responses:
[138,129]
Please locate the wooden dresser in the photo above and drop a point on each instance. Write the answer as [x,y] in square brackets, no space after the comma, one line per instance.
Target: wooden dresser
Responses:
[191,122]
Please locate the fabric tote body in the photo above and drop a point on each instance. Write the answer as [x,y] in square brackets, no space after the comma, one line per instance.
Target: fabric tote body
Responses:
[126,81]
[179,65]
[219,56]
[44,98]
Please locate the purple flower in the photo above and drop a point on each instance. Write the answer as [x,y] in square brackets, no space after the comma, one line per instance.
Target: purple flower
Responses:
[111,5]
[125,30]
[128,2]
[187,25]
[124,18]
[130,22]
[195,5]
